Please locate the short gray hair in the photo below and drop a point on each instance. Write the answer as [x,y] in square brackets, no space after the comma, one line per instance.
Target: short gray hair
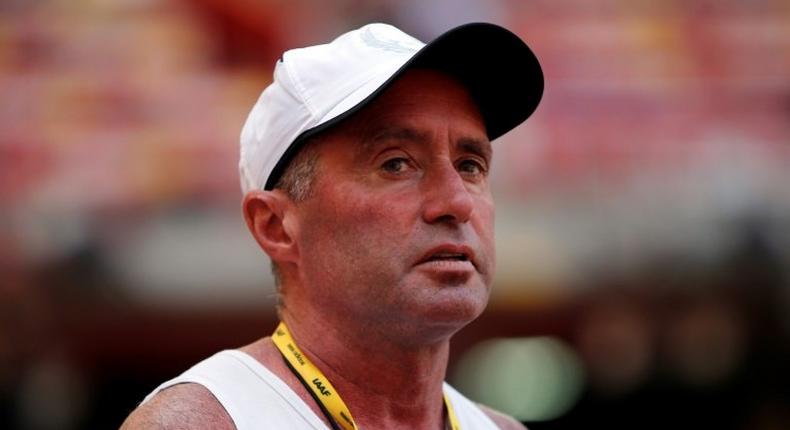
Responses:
[297,182]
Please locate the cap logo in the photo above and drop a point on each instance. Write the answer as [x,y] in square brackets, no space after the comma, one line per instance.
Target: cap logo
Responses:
[386,38]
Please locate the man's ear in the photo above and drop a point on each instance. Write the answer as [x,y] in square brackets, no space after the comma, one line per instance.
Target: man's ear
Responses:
[265,213]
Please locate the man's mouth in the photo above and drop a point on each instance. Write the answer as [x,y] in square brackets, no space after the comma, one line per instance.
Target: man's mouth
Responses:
[450,256]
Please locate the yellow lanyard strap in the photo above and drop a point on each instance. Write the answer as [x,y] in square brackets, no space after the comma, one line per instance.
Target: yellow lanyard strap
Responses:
[322,389]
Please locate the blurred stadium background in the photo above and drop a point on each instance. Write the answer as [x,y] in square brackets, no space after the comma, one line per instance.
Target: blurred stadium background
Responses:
[643,211]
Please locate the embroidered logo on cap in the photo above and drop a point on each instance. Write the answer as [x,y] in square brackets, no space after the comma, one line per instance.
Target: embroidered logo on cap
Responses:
[386,38]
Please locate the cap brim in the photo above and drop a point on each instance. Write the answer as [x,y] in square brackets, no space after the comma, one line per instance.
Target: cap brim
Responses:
[501,73]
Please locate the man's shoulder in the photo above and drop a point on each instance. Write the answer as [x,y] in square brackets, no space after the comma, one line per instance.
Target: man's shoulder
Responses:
[503,421]
[182,406]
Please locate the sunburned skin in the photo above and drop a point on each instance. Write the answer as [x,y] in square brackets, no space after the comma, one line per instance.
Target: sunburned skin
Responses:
[413,188]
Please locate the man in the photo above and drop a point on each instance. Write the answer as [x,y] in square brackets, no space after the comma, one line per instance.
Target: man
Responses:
[365,167]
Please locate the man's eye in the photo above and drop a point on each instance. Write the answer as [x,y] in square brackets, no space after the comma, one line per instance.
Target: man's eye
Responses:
[471,167]
[395,165]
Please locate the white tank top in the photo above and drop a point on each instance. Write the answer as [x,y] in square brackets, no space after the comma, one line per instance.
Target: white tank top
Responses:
[255,398]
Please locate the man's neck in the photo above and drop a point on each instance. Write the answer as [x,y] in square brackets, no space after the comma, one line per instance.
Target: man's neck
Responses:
[384,383]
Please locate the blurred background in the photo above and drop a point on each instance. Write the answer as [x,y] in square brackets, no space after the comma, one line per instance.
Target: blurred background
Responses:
[643,218]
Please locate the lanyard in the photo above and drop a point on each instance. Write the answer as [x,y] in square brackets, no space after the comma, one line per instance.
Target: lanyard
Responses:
[320,387]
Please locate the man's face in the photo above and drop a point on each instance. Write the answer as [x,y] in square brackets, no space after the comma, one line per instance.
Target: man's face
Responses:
[398,231]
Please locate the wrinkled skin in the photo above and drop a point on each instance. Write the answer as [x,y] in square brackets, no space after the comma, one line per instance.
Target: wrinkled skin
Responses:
[405,175]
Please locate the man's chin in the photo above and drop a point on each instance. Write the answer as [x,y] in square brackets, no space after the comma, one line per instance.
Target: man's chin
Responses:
[451,312]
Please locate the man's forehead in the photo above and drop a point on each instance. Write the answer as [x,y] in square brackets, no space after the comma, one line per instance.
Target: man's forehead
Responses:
[414,88]
[400,112]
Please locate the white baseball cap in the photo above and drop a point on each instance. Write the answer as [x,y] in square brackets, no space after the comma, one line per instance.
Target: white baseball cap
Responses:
[318,86]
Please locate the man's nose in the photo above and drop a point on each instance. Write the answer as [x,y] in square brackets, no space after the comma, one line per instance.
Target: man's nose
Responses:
[446,197]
